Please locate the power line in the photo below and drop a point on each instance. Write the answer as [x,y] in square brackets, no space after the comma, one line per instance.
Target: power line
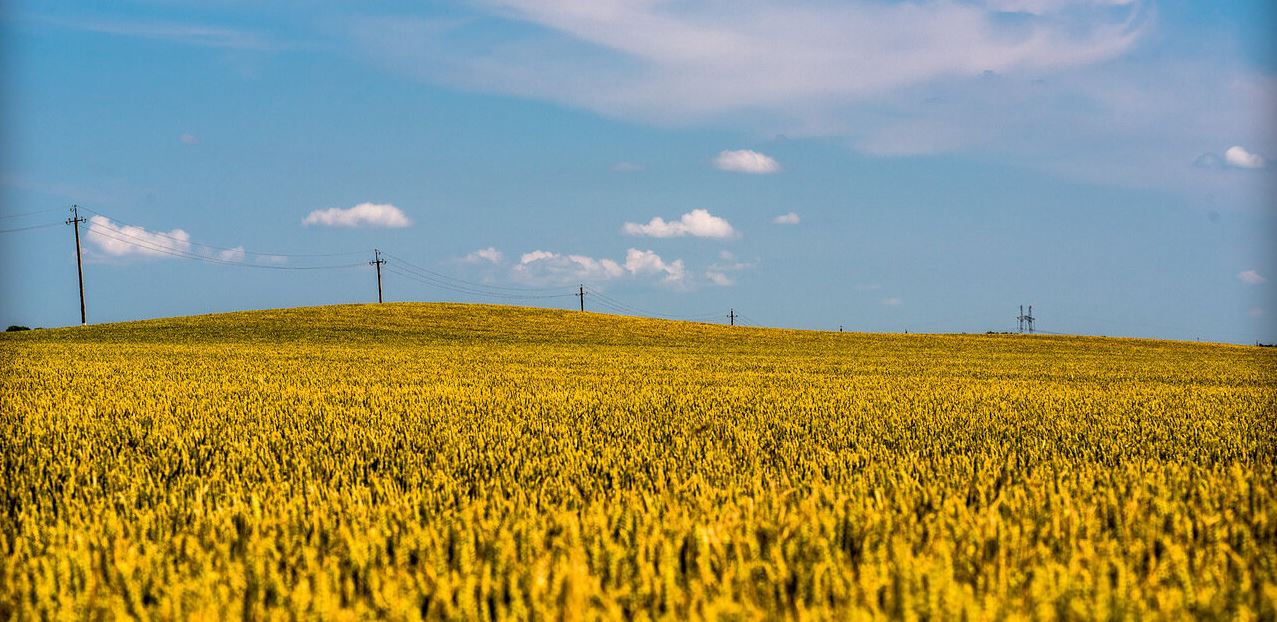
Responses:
[480,294]
[444,281]
[440,283]
[610,307]
[31,213]
[222,248]
[394,269]
[614,308]
[616,305]
[631,309]
[624,308]
[43,226]
[143,243]
[464,282]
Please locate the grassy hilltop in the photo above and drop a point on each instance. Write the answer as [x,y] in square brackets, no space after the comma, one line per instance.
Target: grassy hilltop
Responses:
[446,461]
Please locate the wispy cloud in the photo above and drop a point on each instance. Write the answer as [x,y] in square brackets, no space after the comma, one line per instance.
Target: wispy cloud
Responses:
[719,273]
[1045,7]
[378,215]
[627,167]
[696,223]
[175,32]
[187,139]
[1208,161]
[232,254]
[679,61]
[786,219]
[719,279]
[893,301]
[745,161]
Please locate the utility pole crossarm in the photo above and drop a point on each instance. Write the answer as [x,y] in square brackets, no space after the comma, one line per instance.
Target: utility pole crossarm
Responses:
[580,293]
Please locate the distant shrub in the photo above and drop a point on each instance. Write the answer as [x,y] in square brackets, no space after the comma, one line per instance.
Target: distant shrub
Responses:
[15,328]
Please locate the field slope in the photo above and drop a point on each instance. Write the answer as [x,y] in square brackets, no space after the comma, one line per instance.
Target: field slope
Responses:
[446,461]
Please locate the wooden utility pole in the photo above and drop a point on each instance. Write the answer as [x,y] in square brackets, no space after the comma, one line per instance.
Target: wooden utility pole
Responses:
[731,316]
[580,293]
[377,261]
[75,221]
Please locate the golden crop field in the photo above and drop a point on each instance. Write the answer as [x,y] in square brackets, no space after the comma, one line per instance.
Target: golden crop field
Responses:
[437,461]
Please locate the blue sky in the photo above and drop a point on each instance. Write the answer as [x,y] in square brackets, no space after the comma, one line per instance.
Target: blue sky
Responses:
[883,166]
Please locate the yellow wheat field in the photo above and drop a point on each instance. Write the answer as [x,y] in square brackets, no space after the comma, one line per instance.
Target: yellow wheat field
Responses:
[409,461]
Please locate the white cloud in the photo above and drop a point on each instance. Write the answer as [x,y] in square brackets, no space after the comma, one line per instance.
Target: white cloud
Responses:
[786,219]
[626,167]
[892,301]
[535,256]
[548,267]
[641,263]
[696,223]
[1239,157]
[1250,277]
[488,255]
[113,239]
[362,215]
[187,139]
[118,240]
[745,161]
